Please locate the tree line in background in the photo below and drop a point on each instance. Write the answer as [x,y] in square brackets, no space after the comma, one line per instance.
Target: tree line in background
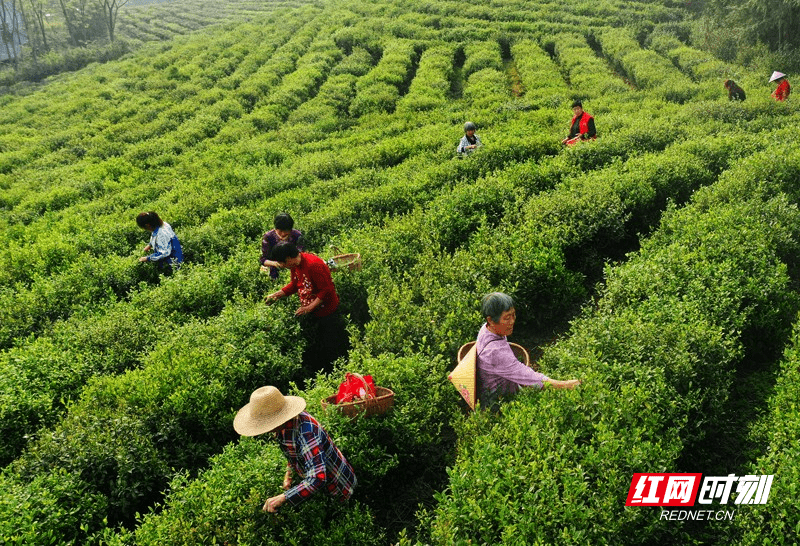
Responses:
[44,37]
[30,22]
[739,30]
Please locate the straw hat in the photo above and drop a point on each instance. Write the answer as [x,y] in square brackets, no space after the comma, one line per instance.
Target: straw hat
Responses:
[776,76]
[267,410]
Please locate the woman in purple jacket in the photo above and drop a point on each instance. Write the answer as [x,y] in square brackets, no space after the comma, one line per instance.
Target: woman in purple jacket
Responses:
[499,371]
[284,232]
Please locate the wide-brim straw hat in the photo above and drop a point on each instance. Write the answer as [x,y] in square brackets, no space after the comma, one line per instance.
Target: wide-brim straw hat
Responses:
[776,76]
[268,409]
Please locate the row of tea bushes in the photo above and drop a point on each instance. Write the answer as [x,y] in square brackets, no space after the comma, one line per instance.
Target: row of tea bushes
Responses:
[588,74]
[222,233]
[151,21]
[282,62]
[775,522]
[431,85]
[646,68]
[299,86]
[381,87]
[540,248]
[481,56]
[126,435]
[41,375]
[58,266]
[657,356]
[545,88]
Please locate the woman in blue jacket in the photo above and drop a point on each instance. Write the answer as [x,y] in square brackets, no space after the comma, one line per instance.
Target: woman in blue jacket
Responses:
[164,244]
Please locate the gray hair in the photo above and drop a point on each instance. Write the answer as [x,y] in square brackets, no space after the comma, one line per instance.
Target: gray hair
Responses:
[494,304]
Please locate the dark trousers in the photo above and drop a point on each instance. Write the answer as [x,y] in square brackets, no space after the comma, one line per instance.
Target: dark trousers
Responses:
[326,340]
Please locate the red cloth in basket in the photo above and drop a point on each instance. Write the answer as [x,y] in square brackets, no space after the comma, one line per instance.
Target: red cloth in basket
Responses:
[355,387]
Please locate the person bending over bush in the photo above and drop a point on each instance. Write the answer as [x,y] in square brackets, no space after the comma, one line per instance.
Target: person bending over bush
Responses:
[498,370]
[284,232]
[167,253]
[309,450]
[311,280]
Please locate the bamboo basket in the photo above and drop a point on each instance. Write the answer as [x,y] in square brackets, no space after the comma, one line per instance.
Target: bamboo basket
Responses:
[384,399]
[350,262]
[519,351]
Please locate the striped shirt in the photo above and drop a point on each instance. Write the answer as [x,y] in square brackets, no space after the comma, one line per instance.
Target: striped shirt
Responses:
[313,455]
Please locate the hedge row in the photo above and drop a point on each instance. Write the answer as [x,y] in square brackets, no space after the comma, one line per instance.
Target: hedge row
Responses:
[43,374]
[480,56]
[646,68]
[540,75]
[283,61]
[487,91]
[381,87]
[126,433]
[547,242]
[657,356]
[297,87]
[431,85]
[777,521]
[588,74]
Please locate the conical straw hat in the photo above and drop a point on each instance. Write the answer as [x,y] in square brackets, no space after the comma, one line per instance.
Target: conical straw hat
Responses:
[776,76]
[463,376]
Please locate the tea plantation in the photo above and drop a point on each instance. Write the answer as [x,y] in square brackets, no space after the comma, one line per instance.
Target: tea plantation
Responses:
[658,263]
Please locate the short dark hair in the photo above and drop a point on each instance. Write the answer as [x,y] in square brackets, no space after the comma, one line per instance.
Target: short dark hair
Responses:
[577,102]
[283,222]
[147,220]
[495,304]
[283,251]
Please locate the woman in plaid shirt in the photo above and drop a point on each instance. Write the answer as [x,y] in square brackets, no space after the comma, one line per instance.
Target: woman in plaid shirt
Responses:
[308,448]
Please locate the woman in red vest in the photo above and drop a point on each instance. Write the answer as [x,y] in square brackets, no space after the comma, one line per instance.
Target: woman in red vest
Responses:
[581,127]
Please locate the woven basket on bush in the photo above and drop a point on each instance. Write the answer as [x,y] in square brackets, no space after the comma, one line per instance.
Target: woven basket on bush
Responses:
[519,352]
[351,262]
[384,399]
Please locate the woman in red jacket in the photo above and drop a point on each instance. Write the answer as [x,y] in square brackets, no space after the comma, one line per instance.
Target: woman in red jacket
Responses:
[781,93]
[311,280]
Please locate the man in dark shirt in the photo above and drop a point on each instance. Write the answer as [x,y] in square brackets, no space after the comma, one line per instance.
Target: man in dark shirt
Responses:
[734,91]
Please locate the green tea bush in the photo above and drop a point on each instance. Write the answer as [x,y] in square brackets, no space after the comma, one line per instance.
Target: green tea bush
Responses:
[433,306]
[224,505]
[540,75]
[380,88]
[126,432]
[281,63]
[646,68]
[358,62]
[430,87]
[657,356]
[776,521]
[487,89]
[480,56]
[64,509]
[588,74]
[87,281]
